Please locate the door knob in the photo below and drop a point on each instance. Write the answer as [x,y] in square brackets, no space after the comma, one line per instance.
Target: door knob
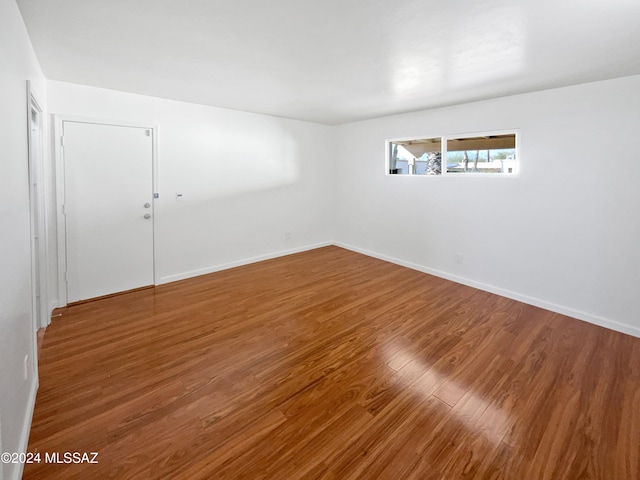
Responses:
[147,216]
[147,205]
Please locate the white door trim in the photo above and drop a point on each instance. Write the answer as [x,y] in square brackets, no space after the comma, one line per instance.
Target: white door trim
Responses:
[38,206]
[58,121]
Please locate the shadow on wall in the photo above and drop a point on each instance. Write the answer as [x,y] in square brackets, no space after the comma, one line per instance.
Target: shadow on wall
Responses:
[209,160]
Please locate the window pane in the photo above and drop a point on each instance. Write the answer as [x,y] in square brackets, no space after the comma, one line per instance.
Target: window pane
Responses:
[486,154]
[415,157]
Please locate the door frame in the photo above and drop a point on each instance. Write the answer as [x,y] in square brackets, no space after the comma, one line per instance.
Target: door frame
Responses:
[38,222]
[58,121]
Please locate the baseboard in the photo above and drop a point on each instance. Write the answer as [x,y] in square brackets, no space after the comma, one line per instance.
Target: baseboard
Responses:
[52,308]
[26,428]
[561,309]
[537,302]
[238,263]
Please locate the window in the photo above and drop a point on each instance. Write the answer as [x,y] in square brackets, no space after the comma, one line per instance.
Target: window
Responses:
[482,154]
[422,156]
[487,153]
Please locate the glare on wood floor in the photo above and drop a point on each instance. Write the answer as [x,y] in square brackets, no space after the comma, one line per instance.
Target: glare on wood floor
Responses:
[332,365]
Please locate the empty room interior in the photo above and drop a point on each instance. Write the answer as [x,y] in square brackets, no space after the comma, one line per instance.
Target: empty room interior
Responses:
[320,240]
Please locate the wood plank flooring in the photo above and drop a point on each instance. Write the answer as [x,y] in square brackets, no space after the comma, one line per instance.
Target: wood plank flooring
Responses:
[333,365]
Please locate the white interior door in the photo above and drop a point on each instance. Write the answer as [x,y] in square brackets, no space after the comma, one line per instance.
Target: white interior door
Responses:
[108,205]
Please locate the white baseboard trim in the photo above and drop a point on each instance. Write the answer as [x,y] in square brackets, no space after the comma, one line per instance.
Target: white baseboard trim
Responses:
[52,306]
[537,302]
[26,428]
[238,263]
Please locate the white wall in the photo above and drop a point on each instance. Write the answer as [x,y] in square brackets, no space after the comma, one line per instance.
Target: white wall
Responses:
[563,234]
[246,179]
[17,337]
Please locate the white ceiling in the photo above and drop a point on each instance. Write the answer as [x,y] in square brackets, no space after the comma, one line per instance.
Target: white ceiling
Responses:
[333,61]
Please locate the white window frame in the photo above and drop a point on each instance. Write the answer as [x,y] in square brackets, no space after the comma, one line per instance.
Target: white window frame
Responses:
[444,139]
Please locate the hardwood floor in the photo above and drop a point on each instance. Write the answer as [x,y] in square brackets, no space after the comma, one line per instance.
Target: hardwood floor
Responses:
[333,365]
